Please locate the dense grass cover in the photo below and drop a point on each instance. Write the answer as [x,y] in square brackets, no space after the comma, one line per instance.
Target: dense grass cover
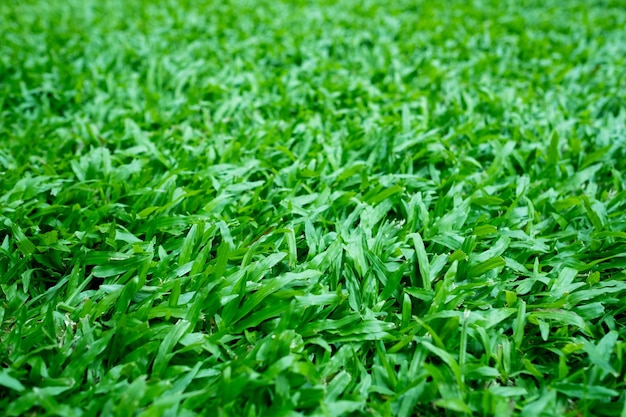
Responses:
[260,208]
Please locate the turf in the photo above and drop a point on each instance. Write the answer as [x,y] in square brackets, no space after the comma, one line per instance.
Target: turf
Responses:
[340,208]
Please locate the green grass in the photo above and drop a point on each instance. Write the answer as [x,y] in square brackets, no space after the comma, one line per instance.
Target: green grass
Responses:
[359,208]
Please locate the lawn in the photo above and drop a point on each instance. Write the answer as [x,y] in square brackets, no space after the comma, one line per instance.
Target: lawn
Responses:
[320,208]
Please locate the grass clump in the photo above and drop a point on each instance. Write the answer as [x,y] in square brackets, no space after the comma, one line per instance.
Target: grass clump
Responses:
[312,208]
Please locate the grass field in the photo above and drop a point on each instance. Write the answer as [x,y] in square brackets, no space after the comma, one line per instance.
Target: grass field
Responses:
[338,208]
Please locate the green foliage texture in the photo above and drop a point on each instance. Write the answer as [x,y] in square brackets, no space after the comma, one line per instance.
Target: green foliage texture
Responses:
[320,208]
